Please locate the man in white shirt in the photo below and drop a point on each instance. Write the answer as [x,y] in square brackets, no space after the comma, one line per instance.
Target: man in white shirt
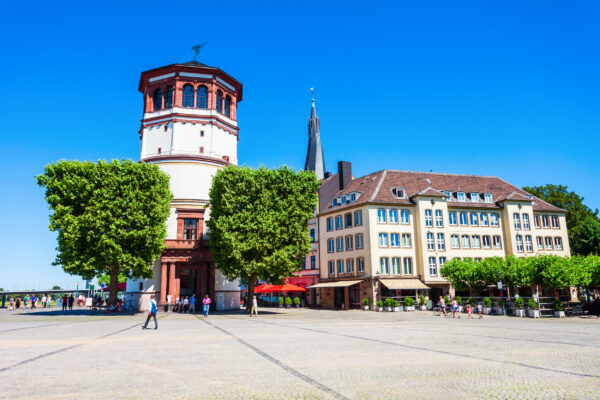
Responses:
[254,309]
[151,313]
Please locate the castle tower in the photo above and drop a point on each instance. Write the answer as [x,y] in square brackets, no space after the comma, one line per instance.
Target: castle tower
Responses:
[314,155]
[189,129]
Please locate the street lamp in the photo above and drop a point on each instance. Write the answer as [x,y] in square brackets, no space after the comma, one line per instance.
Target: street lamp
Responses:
[500,287]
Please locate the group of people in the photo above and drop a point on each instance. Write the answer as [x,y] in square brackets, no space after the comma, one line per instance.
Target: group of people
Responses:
[182,305]
[455,308]
[15,303]
[185,304]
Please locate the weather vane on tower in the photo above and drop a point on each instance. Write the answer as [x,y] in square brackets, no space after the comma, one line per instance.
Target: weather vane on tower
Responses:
[197,49]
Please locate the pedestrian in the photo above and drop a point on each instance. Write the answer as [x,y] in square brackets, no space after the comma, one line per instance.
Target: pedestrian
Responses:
[254,309]
[455,307]
[470,311]
[25,301]
[11,304]
[44,300]
[152,313]
[442,306]
[18,303]
[34,300]
[64,302]
[80,300]
[193,304]
[186,304]
[177,304]
[479,310]
[205,305]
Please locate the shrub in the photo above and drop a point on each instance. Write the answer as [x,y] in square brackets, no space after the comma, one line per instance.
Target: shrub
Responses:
[421,300]
[297,300]
[281,301]
[446,300]
[458,300]
[379,303]
[487,302]
[366,301]
[409,301]
[558,306]
[471,301]
[532,304]
[519,302]
[288,301]
[394,303]
[387,302]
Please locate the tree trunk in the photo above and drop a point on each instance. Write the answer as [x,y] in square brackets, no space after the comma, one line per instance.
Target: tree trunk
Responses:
[114,286]
[251,282]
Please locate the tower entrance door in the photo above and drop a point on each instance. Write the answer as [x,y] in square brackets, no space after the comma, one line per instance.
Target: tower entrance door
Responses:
[188,282]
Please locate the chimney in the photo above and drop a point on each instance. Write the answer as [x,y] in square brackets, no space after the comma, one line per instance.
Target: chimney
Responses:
[327,175]
[344,173]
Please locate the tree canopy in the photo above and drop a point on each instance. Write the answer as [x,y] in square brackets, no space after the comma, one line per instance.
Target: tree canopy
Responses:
[110,217]
[582,221]
[258,226]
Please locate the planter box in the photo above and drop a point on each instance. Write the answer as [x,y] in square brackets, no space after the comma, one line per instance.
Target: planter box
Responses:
[409,308]
[460,308]
[388,309]
[380,309]
[396,309]
[533,313]
[288,306]
[297,305]
[487,310]
[423,308]
[559,314]
[366,308]
[519,312]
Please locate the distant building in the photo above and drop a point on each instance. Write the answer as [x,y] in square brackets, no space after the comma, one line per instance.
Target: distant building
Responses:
[189,129]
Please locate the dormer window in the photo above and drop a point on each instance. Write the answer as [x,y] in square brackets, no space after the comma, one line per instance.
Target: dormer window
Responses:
[448,195]
[398,192]
[334,202]
[460,196]
[352,197]
[344,199]
[475,197]
[488,197]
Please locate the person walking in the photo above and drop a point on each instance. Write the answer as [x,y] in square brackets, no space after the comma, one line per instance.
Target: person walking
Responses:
[205,305]
[71,301]
[25,301]
[193,304]
[470,311]
[34,300]
[177,304]
[455,308]
[11,304]
[480,310]
[64,302]
[186,304]
[254,309]
[44,300]
[442,306]
[18,303]
[152,313]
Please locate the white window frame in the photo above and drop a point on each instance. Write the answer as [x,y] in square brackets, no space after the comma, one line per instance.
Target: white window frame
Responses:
[384,265]
[393,216]
[439,219]
[383,239]
[540,242]
[455,241]
[474,197]
[488,197]
[536,221]
[339,240]
[483,219]
[432,266]
[381,216]
[340,266]
[331,245]
[557,220]
[550,242]
[441,242]
[546,221]
[526,225]
[497,241]
[494,220]
[396,266]
[403,214]
[407,263]
[331,265]
[465,241]
[466,218]
[406,235]
[358,218]
[339,222]
[330,224]
[558,243]
[460,196]
[452,215]
[349,265]
[360,264]
[484,239]
[430,241]
[517,221]
[476,239]
[442,260]
[428,218]
[358,241]
[528,244]
[471,219]
[519,243]
[349,242]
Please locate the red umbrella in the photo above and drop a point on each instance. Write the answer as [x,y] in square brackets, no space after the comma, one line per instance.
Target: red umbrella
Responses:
[286,288]
[262,288]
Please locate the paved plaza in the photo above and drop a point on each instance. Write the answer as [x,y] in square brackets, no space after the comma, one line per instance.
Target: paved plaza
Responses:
[297,354]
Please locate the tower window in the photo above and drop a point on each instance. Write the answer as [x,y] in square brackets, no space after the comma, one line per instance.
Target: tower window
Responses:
[159,150]
[190,227]
[202,97]
[227,106]
[157,99]
[188,96]
[201,149]
[169,97]
[202,133]
[219,101]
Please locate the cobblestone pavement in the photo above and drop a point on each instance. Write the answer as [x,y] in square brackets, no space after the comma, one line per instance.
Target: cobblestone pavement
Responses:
[297,354]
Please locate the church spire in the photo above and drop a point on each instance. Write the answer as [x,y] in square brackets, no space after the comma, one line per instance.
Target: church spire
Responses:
[314,156]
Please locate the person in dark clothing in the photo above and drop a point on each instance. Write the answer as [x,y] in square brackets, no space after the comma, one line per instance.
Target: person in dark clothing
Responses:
[64,303]
[71,301]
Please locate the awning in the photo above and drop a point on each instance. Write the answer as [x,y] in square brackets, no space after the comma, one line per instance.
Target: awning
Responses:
[403,284]
[333,284]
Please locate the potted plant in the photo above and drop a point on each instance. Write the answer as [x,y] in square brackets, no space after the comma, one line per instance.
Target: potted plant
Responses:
[519,307]
[366,303]
[379,305]
[487,305]
[297,302]
[281,302]
[558,308]
[409,304]
[459,301]
[395,305]
[422,305]
[534,311]
[288,302]
[387,305]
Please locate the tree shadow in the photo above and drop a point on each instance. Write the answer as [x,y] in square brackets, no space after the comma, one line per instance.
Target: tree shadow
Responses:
[75,312]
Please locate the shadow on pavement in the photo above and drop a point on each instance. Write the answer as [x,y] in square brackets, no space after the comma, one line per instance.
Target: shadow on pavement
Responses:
[75,312]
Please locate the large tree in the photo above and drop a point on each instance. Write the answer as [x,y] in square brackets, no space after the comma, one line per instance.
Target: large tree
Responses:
[258,224]
[582,221]
[110,217]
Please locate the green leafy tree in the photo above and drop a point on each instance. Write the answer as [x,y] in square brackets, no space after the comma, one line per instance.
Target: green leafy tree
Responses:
[110,217]
[583,222]
[56,287]
[106,279]
[258,226]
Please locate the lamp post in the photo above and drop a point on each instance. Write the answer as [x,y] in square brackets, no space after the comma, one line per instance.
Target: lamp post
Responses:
[500,287]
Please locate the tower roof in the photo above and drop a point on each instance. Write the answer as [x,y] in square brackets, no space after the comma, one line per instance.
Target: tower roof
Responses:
[314,156]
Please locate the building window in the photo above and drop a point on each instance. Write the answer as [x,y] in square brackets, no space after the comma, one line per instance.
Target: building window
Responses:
[396,265]
[340,266]
[540,242]
[201,150]
[483,219]
[384,265]
[228,106]
[466,242]
[455,243]
[393,216]
[381,216]
[536,221]
[526,225]
[339,244]
[330,246]
[394,240]
[219,101]
[359,240]
[329,224]
[201,133]
[334,202]
[558,243]
[460,196]
[169,97]
[408,266]
[442,261]
[349,243]
[357,218]
[517,221]
[528,244]
[313,262]
[487,243]
[348,220]
[476,242]
[430,241]
[546,221]
[487,197]
[159,150]
[497,242]
[350,265]
[157,99]
[406,242]
[331,267]
[202,97]
[344,199]
[303,262]
[432,267]
[519,243]
[188,96]
[494,220]
[190,229]
[360,264]
[439,220]
[555,223]
[404,217]
[548,243]
[398,192]
[312,235]
[352,197]
[474,219]
[463,218]
[383,240]
[475,197]
[452,218]
[339,222]
[441,242]
[448,195]
[428,218]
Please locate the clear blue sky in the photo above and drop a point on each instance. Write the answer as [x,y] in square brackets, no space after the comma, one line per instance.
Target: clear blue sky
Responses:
[494,88]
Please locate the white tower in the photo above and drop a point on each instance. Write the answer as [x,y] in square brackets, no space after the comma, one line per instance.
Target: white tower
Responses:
[189,128]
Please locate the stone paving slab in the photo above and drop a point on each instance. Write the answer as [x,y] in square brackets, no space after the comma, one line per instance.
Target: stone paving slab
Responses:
[297,354]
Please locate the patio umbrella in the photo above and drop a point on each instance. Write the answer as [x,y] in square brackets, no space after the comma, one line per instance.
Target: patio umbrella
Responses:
[286,288]
[262,288]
